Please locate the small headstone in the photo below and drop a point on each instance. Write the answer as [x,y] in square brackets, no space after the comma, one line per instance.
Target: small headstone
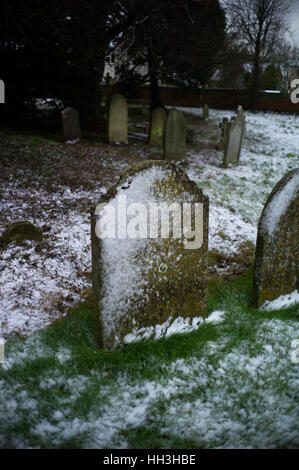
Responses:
[145,111]
[175,136]
[156,133]
[118,120]
[20,231]
[224,133]
[235,134]
[71,124]
[141,279]
[276,270]
[205,112]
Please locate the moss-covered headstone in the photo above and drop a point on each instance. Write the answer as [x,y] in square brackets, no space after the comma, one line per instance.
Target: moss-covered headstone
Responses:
[224,133]
[175,136]
[205,112]
[118,120]
[276,270]
[157,126]
[141,276]
[20,231]
[71,124]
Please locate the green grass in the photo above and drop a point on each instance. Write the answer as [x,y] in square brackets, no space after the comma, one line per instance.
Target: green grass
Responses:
[73,384]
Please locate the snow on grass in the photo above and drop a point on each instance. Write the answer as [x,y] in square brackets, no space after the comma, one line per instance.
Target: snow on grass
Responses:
[234,391]
[168,328]
[284,301]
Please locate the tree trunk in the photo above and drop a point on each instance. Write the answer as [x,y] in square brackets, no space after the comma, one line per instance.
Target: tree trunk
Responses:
[155,95]
[256,78]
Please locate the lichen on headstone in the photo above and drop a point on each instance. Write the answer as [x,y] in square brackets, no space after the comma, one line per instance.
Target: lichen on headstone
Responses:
[175,137]
[276,270]
[118,120]
[20,231]
[143,282]
[205,112]
[156,133]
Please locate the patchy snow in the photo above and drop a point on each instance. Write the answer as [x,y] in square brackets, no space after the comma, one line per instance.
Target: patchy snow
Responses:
[218,397]
[216,317]
[284,301]
[168,328]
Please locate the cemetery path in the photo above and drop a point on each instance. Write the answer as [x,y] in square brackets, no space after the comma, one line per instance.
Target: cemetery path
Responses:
[53,186]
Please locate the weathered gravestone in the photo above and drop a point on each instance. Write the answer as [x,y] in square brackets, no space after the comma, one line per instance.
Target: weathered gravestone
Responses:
[71,124]
[175,136]
[118,120]
[205,111]
[157,126]
[235,134]
[140,278]
[224,133]
[276,270]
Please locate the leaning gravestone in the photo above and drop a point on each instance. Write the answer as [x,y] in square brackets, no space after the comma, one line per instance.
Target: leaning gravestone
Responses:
[141,277]
[205,112]
[276,270]
[71,124]
[175,136]
[235,134]
[118,120]
[157,126]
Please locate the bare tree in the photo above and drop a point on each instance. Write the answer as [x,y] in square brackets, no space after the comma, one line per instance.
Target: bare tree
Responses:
[259,26]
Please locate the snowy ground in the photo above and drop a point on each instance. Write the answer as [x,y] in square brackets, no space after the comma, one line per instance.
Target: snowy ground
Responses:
[39,281]
[238,391]
[232,384]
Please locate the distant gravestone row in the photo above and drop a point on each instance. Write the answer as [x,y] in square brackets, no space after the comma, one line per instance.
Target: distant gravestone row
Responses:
[166,130]
[276,270]
[141,278]
[232,138]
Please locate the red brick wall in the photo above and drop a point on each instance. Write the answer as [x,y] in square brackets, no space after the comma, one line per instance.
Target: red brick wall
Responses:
[220,99]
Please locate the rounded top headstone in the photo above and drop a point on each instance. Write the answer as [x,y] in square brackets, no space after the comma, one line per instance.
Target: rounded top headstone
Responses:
[142,279]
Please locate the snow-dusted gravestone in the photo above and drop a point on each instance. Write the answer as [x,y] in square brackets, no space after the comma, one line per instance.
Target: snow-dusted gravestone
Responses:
[175,136]
[276,270]
[143,278]
[156,133]
[205,112]
[71,124]
[235,134]
[118,120]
